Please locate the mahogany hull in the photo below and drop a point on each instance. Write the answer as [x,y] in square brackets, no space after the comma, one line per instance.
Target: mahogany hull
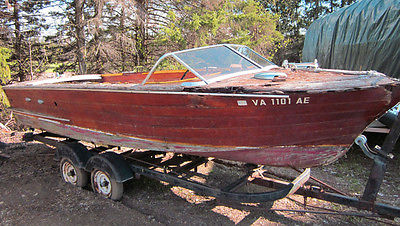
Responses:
[295,129]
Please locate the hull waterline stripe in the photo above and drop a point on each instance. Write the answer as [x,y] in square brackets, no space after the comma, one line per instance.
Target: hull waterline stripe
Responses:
[48,120]
[38,115]
[159,92]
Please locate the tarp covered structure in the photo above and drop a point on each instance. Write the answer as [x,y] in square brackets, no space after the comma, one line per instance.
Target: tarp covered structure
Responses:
[362,36]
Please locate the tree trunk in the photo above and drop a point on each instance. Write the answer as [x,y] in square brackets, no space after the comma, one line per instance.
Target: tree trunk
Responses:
[18,41]
[99,5]
[122,30]
[30,60]
[140,30]
[80,36]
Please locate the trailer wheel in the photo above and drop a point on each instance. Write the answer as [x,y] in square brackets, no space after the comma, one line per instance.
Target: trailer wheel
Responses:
[73,174]
[105,185]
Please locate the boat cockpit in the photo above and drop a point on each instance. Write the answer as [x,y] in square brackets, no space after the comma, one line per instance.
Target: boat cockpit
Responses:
[192,67]
[199,66]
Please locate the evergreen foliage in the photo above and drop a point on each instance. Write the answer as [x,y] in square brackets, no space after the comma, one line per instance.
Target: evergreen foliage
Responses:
[294,18]
[5,73]
[22,24]
[239,22]
[99,36]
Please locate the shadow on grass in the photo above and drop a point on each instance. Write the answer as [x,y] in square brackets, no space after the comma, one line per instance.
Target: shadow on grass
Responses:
[182,206]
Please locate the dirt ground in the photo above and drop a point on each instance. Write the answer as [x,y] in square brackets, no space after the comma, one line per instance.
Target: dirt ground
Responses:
[32,192]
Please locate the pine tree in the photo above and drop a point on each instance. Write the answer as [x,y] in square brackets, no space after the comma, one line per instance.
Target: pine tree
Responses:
[239,22]
[24,20]
[294,18]
[5,73]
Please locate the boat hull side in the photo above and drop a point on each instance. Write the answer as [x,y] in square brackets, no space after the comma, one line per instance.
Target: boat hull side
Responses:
[283,156]
[299,129]
[212,119]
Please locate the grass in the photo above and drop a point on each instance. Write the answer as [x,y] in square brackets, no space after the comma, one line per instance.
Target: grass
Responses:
[354,169]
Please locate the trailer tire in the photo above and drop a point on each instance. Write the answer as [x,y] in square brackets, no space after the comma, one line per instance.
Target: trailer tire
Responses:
[106,185]
[73,174]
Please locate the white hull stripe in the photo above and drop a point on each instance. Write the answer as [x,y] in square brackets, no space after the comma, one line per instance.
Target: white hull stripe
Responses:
[38,115]
[48,120]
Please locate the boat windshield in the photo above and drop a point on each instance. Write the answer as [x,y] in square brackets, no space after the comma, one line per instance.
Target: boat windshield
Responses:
[216,62]
[253,55]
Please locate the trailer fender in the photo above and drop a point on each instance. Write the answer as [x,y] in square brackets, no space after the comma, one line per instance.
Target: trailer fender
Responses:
[112,163]
[76,152]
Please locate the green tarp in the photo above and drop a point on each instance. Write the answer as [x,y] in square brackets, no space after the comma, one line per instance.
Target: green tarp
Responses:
[362,36]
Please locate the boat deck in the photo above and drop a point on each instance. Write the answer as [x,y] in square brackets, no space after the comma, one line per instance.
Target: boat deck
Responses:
[310,81]
[316,80]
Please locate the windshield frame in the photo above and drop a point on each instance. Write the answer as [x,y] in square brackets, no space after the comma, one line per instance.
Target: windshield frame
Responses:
[251,50]
[208,81]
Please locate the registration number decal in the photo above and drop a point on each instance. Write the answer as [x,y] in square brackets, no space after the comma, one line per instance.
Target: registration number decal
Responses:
[274,101]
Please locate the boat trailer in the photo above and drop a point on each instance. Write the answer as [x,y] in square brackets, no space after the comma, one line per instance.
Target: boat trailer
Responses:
[110,169]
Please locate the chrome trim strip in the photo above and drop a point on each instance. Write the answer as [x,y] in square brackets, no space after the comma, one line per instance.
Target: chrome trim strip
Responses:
[66,79]
[154,67]
[16,111]
[166,92]
[197,48]
[190,68]
[48,120]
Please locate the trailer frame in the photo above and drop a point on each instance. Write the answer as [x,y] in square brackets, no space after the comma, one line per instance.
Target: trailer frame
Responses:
[150,164]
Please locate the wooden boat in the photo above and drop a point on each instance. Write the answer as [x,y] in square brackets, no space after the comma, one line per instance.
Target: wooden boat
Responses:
[223,101]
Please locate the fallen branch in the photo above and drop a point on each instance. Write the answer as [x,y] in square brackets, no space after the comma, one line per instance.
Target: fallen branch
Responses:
[4,127]
[10,120]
